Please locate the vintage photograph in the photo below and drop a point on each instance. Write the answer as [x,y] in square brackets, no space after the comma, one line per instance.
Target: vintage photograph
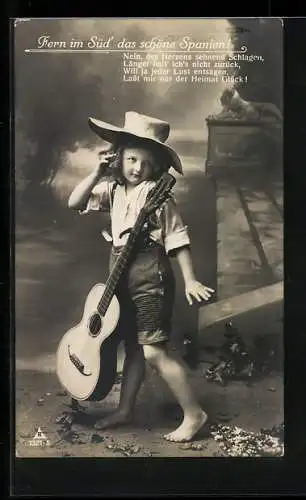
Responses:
[148,237]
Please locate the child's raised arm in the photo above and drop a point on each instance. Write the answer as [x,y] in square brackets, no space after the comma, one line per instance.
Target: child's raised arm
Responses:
[82,191]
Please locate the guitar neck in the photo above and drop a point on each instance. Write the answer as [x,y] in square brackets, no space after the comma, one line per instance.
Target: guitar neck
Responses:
[120,266]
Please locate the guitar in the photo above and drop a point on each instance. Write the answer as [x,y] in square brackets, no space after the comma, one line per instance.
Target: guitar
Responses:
[87,354]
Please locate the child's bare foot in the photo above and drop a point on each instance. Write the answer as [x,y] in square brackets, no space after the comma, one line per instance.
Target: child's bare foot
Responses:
[116,418]
[188,428]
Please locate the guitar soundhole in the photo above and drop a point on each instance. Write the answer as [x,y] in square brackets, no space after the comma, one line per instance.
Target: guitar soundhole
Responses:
[95,324]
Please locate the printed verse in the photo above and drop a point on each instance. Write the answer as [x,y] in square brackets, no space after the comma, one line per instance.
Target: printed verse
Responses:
[184,68]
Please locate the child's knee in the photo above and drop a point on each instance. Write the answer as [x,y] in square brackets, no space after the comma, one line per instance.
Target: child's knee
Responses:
[153,354]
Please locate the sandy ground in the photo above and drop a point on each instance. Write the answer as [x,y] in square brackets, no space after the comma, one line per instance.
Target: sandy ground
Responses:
[251,407]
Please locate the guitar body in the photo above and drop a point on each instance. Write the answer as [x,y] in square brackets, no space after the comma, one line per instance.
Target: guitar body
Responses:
[87,353]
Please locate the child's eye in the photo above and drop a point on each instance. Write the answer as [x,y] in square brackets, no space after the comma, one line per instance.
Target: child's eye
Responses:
[148,164]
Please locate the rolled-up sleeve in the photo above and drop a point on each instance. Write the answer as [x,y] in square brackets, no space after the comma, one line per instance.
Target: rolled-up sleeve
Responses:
[174,231]
[99,198]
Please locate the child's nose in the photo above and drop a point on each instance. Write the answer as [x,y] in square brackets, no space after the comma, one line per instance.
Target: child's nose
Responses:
[138,166]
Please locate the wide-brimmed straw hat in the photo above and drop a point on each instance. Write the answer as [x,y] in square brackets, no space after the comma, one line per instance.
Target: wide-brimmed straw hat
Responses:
[138,126]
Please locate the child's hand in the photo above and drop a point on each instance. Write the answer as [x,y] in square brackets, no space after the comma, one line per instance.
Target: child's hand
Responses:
[105,158]
[195,289]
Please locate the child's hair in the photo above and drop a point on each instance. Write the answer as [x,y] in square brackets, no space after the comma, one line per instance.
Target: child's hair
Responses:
[161,159]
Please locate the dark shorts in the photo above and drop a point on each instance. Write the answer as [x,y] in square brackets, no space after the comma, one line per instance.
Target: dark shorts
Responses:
[146,295]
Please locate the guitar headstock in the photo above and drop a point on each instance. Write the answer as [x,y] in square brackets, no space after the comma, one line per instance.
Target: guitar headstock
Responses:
[159,194]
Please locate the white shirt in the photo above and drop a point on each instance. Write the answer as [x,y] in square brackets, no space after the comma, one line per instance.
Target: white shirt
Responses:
[171,232]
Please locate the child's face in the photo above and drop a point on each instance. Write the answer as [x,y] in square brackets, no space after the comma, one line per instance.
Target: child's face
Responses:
[138,165]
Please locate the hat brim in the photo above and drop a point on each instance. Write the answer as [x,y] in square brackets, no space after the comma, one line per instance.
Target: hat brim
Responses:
[111,133]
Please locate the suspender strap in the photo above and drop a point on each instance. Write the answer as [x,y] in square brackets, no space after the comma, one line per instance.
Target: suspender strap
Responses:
[112,194]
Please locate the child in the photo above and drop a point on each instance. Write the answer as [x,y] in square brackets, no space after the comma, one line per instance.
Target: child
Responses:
[146,292]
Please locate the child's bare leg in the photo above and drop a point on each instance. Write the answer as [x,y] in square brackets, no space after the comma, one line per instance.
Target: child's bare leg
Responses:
[173,372]
[132,377]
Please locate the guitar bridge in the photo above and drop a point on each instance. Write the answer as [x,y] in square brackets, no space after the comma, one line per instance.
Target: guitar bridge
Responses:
[77,363]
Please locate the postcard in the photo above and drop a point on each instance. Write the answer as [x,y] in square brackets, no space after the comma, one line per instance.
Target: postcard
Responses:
[148,237]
